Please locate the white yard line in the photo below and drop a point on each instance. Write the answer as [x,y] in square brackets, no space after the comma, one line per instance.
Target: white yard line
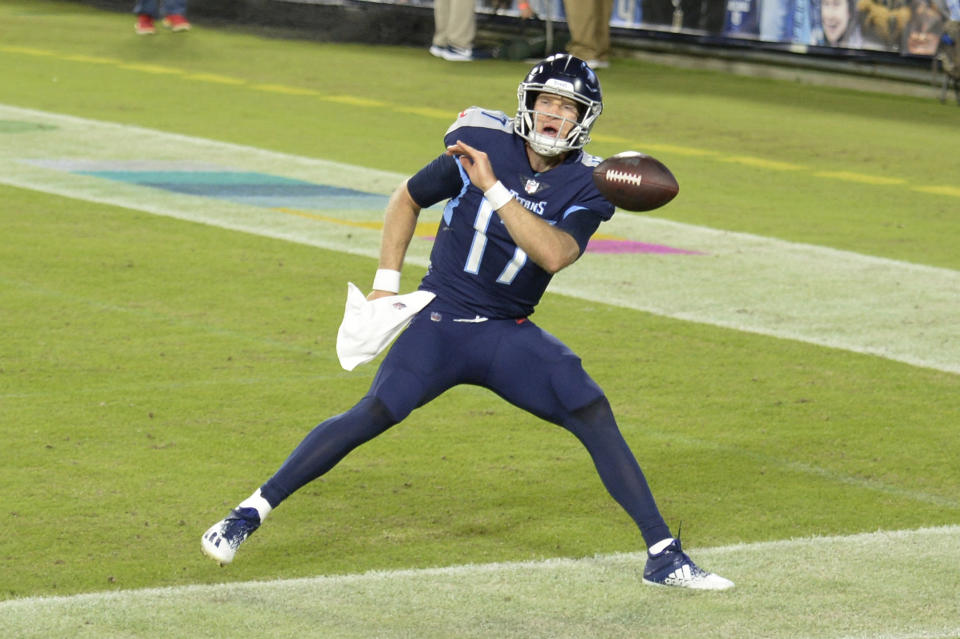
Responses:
[865,304]
[889,584]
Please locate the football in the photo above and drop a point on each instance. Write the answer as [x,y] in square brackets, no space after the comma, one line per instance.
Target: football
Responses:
[635,181]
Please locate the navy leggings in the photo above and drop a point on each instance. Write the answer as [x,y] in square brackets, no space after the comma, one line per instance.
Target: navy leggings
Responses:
[516,359]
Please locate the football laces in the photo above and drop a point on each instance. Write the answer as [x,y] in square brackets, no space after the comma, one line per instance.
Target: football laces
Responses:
[621,176]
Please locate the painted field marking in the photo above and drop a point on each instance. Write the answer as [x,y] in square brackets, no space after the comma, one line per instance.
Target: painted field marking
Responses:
[656,148]
[901,311]
[763,163]
[279,88]
[92,59]
[441,114]
[849,176]
[423,229]
[354,100]
[31,51]
[952,191]
[881,585]
[155,69]
[216,79]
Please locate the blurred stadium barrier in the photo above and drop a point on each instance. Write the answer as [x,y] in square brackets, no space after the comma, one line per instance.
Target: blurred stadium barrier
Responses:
[772,38]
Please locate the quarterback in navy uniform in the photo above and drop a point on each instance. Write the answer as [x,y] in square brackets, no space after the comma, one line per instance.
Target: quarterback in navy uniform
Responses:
[520,206]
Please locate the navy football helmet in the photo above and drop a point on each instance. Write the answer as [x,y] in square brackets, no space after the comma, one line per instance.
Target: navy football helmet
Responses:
[569,77]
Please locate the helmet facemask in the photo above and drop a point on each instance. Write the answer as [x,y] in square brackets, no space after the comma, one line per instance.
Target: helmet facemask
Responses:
[527,118]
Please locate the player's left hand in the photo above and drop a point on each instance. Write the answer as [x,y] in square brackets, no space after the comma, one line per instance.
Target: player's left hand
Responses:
[475,162]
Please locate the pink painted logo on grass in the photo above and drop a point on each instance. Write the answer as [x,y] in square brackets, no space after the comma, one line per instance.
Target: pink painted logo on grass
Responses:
[616,245]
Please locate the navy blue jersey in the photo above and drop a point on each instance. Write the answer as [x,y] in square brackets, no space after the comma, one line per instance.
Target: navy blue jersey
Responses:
[475,267]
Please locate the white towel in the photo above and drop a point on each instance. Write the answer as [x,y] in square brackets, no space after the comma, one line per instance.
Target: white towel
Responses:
[369,326]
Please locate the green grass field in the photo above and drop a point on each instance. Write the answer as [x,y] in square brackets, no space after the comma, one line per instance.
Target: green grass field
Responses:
[155,370]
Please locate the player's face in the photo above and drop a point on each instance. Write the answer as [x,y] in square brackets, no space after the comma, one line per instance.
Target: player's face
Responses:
[557,115]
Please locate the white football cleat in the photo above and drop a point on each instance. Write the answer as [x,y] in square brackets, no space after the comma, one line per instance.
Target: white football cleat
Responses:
[221,540]
[672,567]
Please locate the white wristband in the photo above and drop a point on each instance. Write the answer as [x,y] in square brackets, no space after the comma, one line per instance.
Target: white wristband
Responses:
[497,195]
[386,280]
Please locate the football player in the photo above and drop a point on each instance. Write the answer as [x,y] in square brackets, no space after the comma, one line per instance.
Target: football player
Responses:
[520,206]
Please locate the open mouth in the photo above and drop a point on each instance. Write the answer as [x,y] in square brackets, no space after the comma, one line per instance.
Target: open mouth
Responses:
[549,129]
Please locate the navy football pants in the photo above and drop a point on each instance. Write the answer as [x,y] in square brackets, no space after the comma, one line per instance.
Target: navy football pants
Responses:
[522,363]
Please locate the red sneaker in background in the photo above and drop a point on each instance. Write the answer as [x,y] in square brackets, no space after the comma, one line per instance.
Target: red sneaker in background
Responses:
[176,22]
[144,25]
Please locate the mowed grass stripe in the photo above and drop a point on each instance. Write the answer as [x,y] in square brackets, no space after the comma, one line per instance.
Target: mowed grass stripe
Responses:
[893,585]
[897,310]
[444,115]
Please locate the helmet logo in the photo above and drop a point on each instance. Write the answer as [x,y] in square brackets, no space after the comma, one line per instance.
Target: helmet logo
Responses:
[560,85]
